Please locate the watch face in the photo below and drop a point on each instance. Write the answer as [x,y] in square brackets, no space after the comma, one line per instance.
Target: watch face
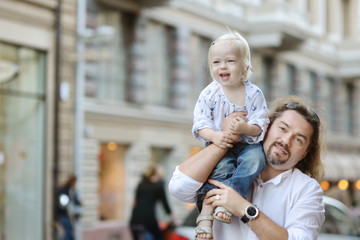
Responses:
[251,211]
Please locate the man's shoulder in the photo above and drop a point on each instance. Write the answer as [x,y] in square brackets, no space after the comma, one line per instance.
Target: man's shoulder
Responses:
[297,173]
[303,180]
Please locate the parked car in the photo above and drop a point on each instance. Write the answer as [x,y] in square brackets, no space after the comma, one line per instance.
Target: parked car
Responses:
[339,223]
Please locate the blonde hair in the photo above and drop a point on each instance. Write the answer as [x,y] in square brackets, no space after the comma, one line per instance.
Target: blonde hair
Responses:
[240,45]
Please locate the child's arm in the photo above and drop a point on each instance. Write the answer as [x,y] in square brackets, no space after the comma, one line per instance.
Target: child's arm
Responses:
[219,138]
[239,125]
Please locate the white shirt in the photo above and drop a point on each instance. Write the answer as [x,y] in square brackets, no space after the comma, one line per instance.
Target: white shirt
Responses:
[292,199]
[213,106]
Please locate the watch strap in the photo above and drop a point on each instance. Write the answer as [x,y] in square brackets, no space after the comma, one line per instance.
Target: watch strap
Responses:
[246,218]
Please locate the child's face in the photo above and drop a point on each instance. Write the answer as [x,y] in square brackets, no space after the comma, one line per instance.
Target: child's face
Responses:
[226,65]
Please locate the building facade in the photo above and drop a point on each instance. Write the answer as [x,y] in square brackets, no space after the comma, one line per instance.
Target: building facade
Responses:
[37,58]
[144,65]
[102,88]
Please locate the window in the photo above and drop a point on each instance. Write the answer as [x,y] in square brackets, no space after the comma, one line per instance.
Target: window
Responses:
[349,108]
[22,142]
[314,88]
[291,79]
[310,10]
[179,40]
[267,75]
[346,15]
[109,33]
[157,48]
[328,17]
[331,96]
[199,47]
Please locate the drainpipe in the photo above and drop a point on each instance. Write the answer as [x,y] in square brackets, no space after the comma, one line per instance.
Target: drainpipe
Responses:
[79,100]
[79,91]
[57,105]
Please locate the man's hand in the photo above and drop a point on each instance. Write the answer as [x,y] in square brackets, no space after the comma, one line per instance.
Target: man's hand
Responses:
[228,198]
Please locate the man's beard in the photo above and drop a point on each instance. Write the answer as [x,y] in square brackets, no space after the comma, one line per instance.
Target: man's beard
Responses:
[275,158]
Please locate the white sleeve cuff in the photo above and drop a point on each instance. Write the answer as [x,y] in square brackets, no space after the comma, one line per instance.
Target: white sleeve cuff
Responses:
[183,187]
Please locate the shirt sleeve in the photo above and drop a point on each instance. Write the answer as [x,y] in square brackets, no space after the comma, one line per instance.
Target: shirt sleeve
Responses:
[307,214]
[183,187]
[257,115]
[203,116]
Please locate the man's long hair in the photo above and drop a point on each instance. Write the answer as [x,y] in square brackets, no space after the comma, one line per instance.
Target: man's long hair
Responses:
[311,164]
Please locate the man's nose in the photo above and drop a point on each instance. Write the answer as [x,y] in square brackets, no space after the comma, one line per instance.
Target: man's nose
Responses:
[286,140]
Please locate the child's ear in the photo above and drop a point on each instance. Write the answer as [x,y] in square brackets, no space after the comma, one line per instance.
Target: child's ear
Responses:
[246,68]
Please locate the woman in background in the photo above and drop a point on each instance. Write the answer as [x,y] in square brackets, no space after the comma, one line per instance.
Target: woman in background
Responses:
[149,191]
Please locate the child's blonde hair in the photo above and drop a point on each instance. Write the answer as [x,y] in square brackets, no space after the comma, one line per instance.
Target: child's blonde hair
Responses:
[241,46]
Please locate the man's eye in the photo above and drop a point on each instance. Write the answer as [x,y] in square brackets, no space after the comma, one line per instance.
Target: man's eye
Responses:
[299,141]
[282,129]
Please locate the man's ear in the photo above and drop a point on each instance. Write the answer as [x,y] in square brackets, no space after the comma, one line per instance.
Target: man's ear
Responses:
[304,155]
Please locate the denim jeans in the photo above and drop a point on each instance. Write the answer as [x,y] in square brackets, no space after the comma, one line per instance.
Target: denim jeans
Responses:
[237,169]
[66,223]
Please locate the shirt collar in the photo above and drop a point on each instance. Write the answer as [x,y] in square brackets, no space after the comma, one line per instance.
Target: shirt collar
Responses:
[276,180]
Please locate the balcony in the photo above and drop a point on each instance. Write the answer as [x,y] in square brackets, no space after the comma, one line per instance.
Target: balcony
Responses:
[278,25]
[265,24]
[133,5]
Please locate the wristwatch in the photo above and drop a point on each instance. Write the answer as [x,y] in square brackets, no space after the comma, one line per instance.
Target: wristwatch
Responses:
[251,212]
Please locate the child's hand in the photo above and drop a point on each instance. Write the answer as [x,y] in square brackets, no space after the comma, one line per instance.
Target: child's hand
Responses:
[238,125]
[223,139]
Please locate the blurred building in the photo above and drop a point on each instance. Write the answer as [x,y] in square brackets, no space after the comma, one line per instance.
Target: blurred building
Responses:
[37,57]
[145,62]
[104,87]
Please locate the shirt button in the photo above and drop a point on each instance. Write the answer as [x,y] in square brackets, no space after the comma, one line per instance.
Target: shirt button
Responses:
[261,185]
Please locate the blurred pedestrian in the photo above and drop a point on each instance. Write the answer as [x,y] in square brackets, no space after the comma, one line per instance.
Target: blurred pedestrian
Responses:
[68,207]
[150,190]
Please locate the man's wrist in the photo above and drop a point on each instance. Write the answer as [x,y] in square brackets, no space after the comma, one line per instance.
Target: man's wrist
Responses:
[251,212]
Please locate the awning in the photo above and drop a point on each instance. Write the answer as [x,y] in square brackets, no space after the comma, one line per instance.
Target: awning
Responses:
[342,166]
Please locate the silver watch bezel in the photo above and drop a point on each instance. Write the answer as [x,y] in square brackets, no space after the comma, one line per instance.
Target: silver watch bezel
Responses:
[249,216]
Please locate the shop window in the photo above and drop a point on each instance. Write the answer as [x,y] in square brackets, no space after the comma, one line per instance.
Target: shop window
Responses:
[22,142]
[112,189]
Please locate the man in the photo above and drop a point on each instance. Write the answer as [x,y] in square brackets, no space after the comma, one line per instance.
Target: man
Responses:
[286,200]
